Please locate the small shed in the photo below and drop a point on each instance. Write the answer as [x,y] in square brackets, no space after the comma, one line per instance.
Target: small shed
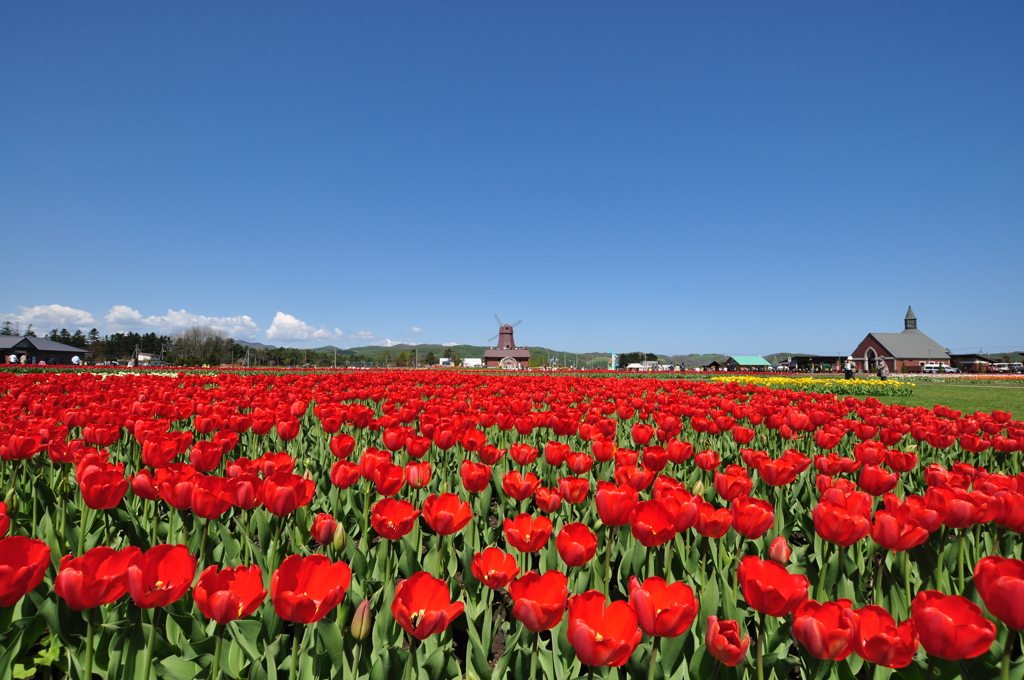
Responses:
[747,363]
[36,349]
[971,363]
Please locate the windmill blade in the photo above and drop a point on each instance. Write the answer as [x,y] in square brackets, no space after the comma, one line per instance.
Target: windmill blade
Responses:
[496,318]
[517,323]
[495,337]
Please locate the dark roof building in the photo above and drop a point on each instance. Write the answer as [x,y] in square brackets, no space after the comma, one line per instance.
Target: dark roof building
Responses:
[905,352]
[38,349]
[506,354]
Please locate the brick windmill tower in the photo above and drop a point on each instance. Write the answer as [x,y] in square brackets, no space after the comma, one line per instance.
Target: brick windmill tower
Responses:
[505,354]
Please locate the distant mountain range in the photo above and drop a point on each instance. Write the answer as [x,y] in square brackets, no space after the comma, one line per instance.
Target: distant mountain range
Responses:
[582,359]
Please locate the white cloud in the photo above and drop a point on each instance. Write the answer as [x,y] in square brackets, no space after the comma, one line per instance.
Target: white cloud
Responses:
[416,330]
[287,327]
[45,317]
[449,344]
[123,317]
[387,342]
[362,335]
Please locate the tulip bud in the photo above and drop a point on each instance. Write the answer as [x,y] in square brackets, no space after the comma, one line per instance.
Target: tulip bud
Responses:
[779,550]
[340,537]
[307,475]
[698,488]
[361,621]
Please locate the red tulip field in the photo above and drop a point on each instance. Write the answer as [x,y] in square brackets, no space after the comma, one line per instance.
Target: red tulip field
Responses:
[442,524]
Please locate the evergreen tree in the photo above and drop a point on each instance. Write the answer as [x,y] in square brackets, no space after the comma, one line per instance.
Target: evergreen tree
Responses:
[7,328]
[29,333]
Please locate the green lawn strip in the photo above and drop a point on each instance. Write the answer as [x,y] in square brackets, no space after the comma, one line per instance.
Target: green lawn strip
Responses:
[966,398]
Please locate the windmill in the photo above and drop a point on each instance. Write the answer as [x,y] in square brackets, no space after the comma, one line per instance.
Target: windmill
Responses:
[505,354]
[506,339]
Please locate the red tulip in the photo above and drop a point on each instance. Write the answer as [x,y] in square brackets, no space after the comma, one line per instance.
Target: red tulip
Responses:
[518,486]
[243,491]
[288,428]
[160,576]
[573,489]
[208,498]
[752,517]
[782,471]
[548,500]
[526,533]
[230,593]
[392,518]
[475,476]
[614,503]
[602,636]
[724,641]
[662,609]
[342,446]
[423,606]
[447,513]
[779,550]
[388,478]
[206,456]
[305,589]
[95,578]
[876,481]
[733,483]
[23,563]
[104,489]
[707,460]
[1000,582]
[684,506]
[5,520]
[877,638]
[523,454]
[823,629]
[418,474]
[494,568]
[576,544]
[642,433]
[282,492]
[769,588]
[897,532]
[951,627]
[840,522]
[323,528]
[651,523]
[344,474]
[712,522]
[539,601]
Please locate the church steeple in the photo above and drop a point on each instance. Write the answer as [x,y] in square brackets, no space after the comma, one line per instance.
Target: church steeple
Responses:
[910,320]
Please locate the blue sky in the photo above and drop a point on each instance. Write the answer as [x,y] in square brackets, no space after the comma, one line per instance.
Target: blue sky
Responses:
[682,177]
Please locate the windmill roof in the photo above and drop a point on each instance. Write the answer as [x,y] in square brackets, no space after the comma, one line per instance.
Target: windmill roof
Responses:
[911,344]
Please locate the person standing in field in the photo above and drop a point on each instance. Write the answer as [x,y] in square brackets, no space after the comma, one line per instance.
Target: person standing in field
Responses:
[883,370]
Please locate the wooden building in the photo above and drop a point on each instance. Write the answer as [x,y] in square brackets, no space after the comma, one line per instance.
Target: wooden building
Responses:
[905,352]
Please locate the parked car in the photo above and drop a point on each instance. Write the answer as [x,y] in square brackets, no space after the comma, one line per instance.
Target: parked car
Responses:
[950,369]
[932,368]
[1001,368]
[1017,367]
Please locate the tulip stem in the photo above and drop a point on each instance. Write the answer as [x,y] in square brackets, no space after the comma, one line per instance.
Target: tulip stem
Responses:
[824,570]
[147,664]
[760,649]
[215,669]
[610,533]
[87,671]
[202,542]
[1004,671]
[906,576]
[355,660]
[293,670]
[931,665]
[654,658]
[718,667]
[960,561]
[533,657]
[410,664]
